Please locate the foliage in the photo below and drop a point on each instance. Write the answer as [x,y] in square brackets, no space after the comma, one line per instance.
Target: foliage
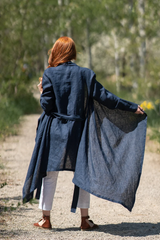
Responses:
[5,207]
[3,184]
[154,124]
[9,117]
[29,29]
[12,108]
[152,107]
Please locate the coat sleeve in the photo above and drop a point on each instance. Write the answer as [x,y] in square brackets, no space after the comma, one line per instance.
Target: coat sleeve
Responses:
[108,99]
[47,99]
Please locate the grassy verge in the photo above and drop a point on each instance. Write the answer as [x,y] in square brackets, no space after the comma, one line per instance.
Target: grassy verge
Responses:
[11,109]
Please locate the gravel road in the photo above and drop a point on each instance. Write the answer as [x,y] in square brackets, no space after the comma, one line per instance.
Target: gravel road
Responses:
[115,222]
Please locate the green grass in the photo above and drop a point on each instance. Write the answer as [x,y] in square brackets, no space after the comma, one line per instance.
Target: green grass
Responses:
[8,208]
[33,201]
[11,109]
[1,165]
[10,114]
[3,184]
[154,124]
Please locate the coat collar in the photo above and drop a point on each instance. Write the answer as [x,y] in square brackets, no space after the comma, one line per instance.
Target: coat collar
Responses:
[69,63]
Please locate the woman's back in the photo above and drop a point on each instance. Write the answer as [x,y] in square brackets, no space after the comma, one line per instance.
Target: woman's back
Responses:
[68,90]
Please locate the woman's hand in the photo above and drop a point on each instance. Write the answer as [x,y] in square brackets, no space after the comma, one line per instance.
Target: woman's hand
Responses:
[40,85]
[139,110]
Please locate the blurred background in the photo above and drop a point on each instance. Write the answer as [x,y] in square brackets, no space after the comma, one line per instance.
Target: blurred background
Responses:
[118,40]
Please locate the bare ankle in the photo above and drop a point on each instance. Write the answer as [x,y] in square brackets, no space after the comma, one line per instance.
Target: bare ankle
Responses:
[46,213]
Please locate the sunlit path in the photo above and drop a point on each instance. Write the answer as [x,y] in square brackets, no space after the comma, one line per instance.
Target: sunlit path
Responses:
[115,221]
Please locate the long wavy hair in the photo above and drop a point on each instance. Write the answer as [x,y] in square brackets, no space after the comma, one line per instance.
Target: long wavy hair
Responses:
[64,50]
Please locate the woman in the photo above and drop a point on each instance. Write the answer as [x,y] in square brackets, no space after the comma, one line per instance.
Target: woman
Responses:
[85,129]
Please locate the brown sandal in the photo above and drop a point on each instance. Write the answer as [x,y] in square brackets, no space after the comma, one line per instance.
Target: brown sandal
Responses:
[44,223]
[87,224]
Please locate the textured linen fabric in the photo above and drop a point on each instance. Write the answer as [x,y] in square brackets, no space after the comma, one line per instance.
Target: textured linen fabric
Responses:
[86,129]
[111,165]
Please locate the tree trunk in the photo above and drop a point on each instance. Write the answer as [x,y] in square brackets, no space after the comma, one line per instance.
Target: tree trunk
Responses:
[69,29]
[60,3]
[45,57]
[142,34]
[21,49]
[116,57]
[89,54]
[132,57]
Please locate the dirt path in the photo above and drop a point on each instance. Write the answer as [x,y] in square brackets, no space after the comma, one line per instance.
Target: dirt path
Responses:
[114,220]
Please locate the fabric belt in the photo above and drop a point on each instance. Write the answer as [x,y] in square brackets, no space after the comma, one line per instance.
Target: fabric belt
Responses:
[66,117]
[75,199]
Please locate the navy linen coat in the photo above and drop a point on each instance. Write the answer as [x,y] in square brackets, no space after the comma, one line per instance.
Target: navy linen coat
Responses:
[86,129]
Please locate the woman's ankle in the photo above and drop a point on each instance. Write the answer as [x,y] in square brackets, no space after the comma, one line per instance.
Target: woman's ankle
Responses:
[84,212]
[46,213]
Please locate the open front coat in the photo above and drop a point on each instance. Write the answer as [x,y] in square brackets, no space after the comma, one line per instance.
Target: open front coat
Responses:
[86,129]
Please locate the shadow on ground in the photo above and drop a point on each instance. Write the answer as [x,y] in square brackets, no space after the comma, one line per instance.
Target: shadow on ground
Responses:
[4,234]
[126,229]
[122,230]
[11,198]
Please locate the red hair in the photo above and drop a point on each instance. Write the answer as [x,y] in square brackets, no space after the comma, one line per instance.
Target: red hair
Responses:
[63,50]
